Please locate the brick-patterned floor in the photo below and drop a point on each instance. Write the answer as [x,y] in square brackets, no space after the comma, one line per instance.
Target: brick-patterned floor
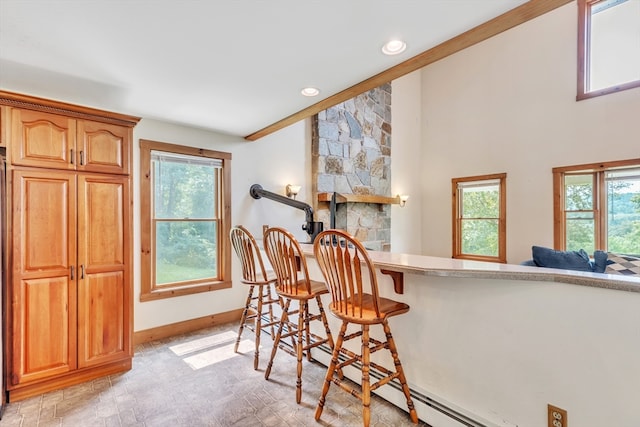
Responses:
[197,380]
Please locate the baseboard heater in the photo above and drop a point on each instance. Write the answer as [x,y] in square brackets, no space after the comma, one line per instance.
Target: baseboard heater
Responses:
[416,395]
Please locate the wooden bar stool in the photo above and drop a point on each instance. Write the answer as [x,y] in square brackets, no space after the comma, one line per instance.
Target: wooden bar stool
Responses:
[255,275]
[343,262]
[293,284]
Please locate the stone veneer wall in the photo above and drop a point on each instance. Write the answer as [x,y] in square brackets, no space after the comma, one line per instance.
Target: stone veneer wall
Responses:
[351,149]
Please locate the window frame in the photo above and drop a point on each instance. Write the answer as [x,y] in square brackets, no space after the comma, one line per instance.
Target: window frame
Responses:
[149,291]
[599,199]
[584,37]
[502,219]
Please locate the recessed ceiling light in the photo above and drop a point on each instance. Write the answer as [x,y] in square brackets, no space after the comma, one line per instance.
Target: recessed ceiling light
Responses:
[309,91]
[394,47]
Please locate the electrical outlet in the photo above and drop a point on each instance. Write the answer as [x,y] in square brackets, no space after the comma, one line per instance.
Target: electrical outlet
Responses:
[556,417]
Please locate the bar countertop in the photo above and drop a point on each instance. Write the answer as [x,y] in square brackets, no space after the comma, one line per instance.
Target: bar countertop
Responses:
[449,267]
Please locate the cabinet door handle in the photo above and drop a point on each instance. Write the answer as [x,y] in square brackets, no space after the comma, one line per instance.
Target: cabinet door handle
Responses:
[81,158]
[82,271]
[71,156]
[72,272]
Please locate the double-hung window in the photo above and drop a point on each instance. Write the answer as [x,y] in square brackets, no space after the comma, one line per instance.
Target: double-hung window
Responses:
[479,218]
[608,46]
[597,206]
[184,220]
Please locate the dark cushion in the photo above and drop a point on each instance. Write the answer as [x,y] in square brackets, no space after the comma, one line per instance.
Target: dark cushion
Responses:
[599,261]
[566,260]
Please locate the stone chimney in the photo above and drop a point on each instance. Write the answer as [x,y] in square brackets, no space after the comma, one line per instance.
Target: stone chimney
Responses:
[351,149]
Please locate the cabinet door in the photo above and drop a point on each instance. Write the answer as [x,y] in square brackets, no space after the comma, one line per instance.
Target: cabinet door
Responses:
[43,292]
[42,139]
[103,148]
[104,284]
[4,125]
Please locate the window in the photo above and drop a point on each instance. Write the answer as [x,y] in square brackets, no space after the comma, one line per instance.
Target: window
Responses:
[185,220]
[479,218]
[608,46]
[597,206]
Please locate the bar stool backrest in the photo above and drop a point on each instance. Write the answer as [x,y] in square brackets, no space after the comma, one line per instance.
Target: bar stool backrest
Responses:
[248,252]
[343,262]
[287,261]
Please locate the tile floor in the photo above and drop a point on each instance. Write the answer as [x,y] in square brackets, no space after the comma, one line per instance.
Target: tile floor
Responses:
[197,380]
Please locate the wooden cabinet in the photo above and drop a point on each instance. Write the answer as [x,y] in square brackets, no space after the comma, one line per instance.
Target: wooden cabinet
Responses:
[103,148]
[104,290]
[53,141]
[4,130]
[69,291]
[43,295]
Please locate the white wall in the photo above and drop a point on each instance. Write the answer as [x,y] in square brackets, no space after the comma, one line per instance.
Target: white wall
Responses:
[501,350]
[406,155]
[274,161]
[508,105]
[504,105]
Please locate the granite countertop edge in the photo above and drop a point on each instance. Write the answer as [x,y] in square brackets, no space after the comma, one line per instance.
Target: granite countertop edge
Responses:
[448,267]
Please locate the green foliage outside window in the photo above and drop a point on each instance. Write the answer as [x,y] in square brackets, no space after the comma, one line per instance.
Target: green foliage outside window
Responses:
[623,215]
[479,223]
[579,206]
[186,220]
[185,251]
[622,209]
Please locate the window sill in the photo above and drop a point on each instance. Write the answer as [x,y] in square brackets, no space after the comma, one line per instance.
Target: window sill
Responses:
[183,290]
[606,91]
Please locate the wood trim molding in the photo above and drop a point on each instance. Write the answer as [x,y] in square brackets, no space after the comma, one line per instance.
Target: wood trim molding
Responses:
[359,198]
[521,14]
[599,202]
[456,220]
[148,291]
[595,167]
[56,107]
[36,388]
[186,326]
[584,37]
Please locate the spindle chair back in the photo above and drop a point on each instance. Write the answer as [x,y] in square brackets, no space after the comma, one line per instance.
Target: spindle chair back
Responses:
[293,284]
[345,264]
[260,295]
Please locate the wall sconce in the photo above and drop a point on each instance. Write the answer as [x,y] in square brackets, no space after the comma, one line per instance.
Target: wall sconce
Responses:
[403,199]
[293,190]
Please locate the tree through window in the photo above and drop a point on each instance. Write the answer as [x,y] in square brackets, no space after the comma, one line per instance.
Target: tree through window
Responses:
[184,227]
[479,217]
[598,207]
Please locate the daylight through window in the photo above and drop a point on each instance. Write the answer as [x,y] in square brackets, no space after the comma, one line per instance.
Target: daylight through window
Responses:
[479,218]
[599,207]
[609,46]
[183,216]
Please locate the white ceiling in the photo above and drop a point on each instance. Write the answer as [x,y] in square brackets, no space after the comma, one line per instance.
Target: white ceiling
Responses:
[232,66]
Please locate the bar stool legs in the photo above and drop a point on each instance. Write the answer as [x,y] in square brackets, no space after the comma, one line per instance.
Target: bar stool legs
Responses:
[403,380]
[253,311]
[302,338]
[344,263]
[369,345]
[293,283]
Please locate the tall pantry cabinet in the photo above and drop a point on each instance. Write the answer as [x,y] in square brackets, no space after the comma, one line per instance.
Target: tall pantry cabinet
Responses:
[68,296]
